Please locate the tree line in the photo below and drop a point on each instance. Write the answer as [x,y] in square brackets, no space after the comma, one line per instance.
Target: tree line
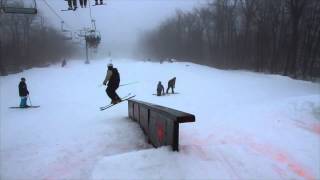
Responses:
[26,42]
[273,36]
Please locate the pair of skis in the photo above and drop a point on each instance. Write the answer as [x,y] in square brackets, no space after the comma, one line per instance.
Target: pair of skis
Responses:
[125,98]
[18,107]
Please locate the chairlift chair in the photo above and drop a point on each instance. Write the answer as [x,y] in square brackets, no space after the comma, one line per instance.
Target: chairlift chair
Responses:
[7,8]
[67,35]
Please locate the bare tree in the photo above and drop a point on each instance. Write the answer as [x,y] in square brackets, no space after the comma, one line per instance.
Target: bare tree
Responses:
[277,36]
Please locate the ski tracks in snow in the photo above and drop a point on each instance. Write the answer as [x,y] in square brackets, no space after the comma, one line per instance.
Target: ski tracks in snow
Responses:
[211,148]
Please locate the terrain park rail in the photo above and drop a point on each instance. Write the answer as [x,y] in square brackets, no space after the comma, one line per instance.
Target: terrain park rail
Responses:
[159,124]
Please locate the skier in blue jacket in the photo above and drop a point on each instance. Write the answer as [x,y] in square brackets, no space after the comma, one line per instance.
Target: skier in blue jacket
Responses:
[23,93]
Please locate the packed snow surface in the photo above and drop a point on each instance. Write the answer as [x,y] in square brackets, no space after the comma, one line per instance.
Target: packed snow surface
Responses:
[248,125]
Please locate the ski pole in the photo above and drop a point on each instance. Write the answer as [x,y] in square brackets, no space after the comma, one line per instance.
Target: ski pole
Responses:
[29,100]
[135,82]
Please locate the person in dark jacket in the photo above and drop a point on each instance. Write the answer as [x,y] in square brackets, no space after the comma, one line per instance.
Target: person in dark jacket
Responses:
[160,89]
[23,93]
[171,84]
[113,80]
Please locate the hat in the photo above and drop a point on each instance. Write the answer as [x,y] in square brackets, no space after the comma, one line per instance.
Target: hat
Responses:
[110,65]
[23,79]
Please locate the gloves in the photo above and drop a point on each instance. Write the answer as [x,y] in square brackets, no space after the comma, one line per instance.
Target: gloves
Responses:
[104,83]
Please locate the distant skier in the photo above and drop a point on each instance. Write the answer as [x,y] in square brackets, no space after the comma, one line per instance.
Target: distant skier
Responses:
[23,93]
[171,84]
[160,89]
[64,63]
[113,80]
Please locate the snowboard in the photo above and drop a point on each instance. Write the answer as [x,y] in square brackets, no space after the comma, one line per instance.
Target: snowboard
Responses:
[18,107]
[122,100]
[167,94]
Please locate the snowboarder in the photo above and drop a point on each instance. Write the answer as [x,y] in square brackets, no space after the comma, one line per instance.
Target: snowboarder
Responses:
[160,89]
[171,84]
[113,80]
[23,93]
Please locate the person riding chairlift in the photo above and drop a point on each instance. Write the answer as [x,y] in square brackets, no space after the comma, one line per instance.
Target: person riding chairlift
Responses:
[83,3]
[72,4]
[101,2]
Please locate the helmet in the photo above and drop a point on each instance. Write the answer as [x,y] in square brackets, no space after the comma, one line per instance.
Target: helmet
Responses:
[110,65]
[23,79]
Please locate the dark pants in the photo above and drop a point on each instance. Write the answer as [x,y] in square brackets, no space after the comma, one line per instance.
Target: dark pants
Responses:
[101,2]
[83,3]
[72,2]
[171,89]
[111,92]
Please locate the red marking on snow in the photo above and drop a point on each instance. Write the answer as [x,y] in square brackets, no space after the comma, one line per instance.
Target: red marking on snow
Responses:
[64,169]
[197,148]
[282,173]
[267,150]
[314,127]
[282,157]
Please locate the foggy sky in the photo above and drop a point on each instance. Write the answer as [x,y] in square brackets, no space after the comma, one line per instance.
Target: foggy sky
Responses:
[120,21]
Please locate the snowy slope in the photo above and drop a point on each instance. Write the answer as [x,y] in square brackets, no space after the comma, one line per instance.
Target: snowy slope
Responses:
[248,125]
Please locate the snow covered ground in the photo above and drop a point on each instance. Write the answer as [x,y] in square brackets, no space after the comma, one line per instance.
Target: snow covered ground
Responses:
[248,125]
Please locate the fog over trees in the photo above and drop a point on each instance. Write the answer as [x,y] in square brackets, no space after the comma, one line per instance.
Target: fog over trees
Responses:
[26,41]
[273,36]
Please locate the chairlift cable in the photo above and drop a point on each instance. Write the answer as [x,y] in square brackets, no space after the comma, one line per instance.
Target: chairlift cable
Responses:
[90,12]
[61,19]
[35,4]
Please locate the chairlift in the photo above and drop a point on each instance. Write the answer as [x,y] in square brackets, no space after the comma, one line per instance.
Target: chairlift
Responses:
[76,38]
[67,34]
[14,7]
[93,38]
[83,32]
